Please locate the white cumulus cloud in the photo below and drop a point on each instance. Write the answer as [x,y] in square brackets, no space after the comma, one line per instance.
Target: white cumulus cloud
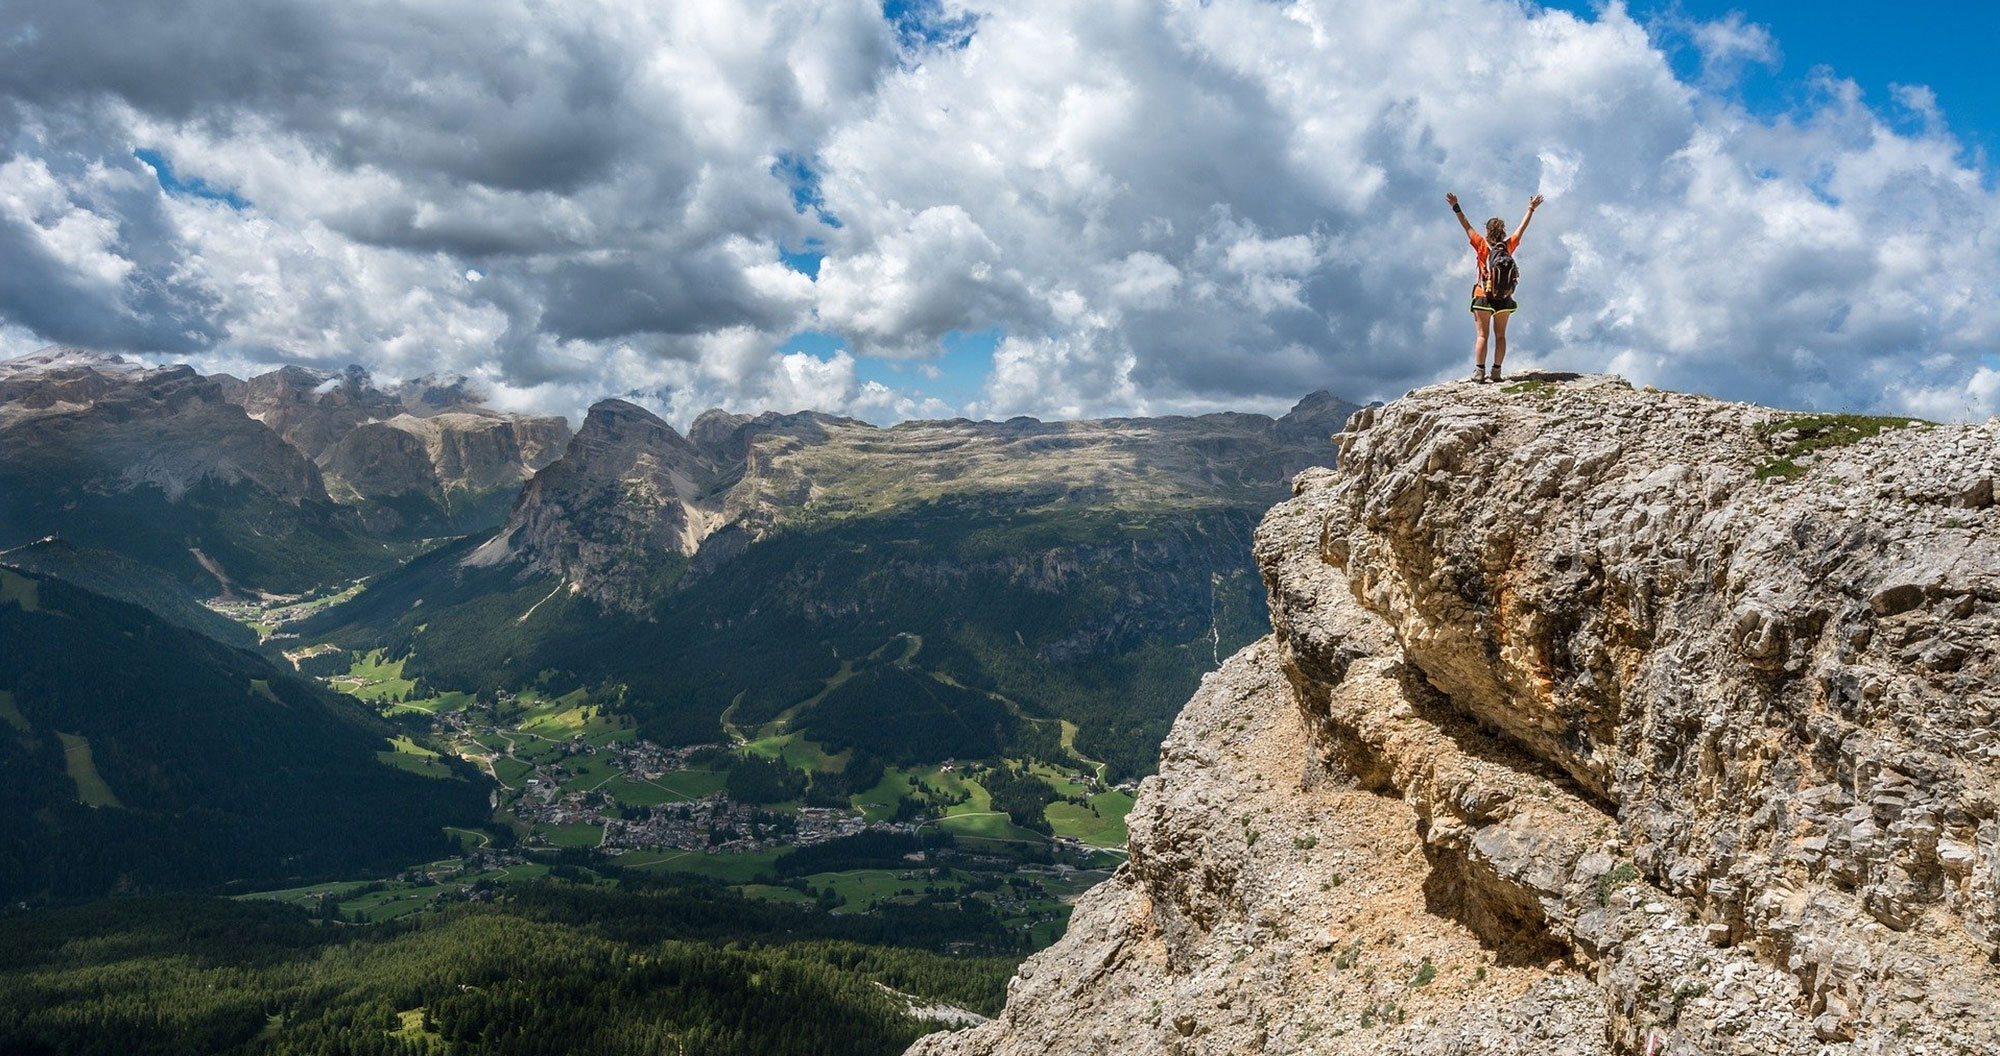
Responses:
[1161,204]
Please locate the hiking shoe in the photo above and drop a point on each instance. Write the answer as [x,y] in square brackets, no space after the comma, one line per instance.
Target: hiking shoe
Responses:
[1495,376]
[1479,374]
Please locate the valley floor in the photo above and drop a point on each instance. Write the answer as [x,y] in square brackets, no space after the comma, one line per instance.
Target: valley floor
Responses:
[576,780]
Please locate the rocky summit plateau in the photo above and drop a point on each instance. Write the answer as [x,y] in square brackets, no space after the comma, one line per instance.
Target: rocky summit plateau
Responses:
[1592,720]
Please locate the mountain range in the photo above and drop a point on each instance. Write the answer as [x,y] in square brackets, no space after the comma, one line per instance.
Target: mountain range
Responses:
[420,458]
[1068,581]
[1079,572]
[155,464]
[293,480]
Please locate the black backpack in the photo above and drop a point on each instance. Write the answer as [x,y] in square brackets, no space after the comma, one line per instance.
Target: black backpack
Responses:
[1501,271]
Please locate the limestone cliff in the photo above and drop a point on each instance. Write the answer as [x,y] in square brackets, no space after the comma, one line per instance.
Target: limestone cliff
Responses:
[311,409]
[616,514]
[419,457]
[1592,721]
[454,471]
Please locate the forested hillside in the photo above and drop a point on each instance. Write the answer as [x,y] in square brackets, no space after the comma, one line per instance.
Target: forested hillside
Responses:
[1100,617]
[138,756]
[121,578]
[549,968]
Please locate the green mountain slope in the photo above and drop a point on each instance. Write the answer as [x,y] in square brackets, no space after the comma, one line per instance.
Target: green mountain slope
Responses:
[1105,618]
[139,756]
[121,578]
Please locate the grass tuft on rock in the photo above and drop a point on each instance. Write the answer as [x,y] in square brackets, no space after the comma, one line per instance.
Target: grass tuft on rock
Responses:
[1793,438]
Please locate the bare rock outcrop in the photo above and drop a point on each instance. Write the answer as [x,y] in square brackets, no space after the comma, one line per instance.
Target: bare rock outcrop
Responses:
[616,515]
[1593,720]
[311,409]
[423,456]
[461,468]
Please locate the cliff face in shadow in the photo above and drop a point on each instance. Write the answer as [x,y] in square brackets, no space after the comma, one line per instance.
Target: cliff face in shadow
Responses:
[1593,720]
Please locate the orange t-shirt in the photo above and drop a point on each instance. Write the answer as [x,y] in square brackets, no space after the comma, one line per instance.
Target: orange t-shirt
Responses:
[1480,249]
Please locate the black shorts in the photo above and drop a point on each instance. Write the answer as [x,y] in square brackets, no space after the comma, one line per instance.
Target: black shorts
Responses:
[1496,305]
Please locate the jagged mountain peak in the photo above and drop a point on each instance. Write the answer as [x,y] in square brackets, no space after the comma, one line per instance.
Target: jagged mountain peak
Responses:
[1318,413]
[455,474]
[1317,403]
[442,392]
[711,427]
[616,433]
[623,501]
[612,413]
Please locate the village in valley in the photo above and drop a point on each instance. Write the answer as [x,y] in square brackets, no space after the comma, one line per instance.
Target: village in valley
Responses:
[578,794]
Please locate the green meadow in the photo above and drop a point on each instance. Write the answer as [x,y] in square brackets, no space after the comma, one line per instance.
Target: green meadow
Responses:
[10,712]
[570,835]
[374,678]
[1104,828]
[90,786]
[406,754]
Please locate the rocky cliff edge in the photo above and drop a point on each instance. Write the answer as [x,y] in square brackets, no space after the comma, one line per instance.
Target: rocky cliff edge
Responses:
[1593,721]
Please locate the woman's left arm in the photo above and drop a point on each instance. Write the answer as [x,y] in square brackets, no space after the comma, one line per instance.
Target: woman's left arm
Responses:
[1522,231]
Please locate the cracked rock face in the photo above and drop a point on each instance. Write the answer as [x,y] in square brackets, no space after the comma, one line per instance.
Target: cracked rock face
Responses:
[1638,748]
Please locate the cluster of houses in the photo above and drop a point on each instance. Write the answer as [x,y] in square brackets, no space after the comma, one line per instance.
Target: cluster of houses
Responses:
[713,822]
[718,824]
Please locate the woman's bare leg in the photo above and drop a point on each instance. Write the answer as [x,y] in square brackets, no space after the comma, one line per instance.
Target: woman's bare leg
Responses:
[1500,338]
[1481,322]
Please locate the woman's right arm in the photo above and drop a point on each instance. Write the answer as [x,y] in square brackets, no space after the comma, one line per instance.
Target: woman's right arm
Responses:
[1457,212]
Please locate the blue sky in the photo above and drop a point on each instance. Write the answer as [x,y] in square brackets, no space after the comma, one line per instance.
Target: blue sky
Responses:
[1948,47]
[953,377]
[163,170]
